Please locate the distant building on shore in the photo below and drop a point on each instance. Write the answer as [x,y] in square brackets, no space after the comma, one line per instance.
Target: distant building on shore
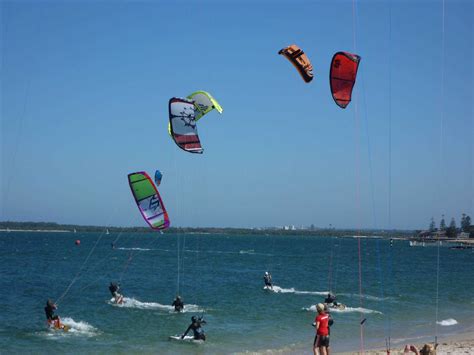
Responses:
[437,234]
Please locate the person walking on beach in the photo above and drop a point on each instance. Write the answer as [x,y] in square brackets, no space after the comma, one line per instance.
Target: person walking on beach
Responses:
[321,340]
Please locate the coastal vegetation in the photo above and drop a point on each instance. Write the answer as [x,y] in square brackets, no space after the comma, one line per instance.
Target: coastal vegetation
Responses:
[466,230]
[312,231]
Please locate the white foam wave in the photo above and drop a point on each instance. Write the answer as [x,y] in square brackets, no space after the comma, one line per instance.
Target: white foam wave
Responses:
[251,251]
[75,328]
[278,289]
[367,297]
[133,303]
[448,322]
[346,310]
[141,249]
[80,327]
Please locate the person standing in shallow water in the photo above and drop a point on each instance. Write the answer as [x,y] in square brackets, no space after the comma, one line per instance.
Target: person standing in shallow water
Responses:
[321,340]
[178,304]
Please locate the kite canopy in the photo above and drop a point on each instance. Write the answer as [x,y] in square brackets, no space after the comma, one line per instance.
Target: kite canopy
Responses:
[204,103]
[299,59]
[182,125]
[342,77]
[148,200]
[158,176]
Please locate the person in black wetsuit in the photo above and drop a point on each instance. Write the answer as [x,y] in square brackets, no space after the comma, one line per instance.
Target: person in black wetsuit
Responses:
[53,319]
[115,291]
[267,278]
[178,304]
[195,326]
[330,300]
[49,310]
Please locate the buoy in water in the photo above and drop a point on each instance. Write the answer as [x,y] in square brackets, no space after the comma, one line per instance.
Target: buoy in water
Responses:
[78,242]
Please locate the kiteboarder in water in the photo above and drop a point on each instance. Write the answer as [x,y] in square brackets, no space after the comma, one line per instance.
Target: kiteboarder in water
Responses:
[330,299]
[267,278]
[195,326]
[330,302]
[115,291]
[178,304]
[53,319]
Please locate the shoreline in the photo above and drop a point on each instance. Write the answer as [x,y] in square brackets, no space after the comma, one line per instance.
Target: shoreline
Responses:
[454,344]
[450,344]
[37,230]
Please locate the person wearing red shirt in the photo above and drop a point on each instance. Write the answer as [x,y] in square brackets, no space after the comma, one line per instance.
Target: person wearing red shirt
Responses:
[321,340]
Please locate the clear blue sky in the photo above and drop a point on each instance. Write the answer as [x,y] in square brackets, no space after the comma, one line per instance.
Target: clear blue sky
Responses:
[85,88]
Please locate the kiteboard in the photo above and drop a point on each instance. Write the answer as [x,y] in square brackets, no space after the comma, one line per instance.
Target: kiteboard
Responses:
[58,327]
[187,338]
[64,328]
[268,288]
[117,300]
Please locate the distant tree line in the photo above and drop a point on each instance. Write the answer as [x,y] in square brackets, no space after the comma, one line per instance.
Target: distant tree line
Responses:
[452,230]
[211,230]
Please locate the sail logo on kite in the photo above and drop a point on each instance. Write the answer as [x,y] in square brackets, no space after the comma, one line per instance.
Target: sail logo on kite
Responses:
[154,203]
[202,107]
[187,118]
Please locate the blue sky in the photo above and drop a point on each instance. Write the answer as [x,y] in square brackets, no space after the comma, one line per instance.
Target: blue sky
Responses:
[85,88]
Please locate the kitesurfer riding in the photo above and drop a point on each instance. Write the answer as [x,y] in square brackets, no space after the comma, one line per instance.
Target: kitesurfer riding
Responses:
[195,326]
[330,299]
[267,278]
[115,291]
[330,302]
[53,320]
[178,304]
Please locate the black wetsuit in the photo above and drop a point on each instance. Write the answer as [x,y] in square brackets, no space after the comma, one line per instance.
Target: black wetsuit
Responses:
[330,299]
[114,289]
[178,305]
[198,332]
[268,280]
[49,310]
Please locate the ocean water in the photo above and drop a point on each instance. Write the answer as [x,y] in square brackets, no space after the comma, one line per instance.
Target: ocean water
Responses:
[221,278]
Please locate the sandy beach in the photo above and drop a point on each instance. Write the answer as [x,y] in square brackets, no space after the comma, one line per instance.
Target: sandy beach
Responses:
[457,344]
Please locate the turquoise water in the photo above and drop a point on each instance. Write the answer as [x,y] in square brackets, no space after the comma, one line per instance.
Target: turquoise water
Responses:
[221,277]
